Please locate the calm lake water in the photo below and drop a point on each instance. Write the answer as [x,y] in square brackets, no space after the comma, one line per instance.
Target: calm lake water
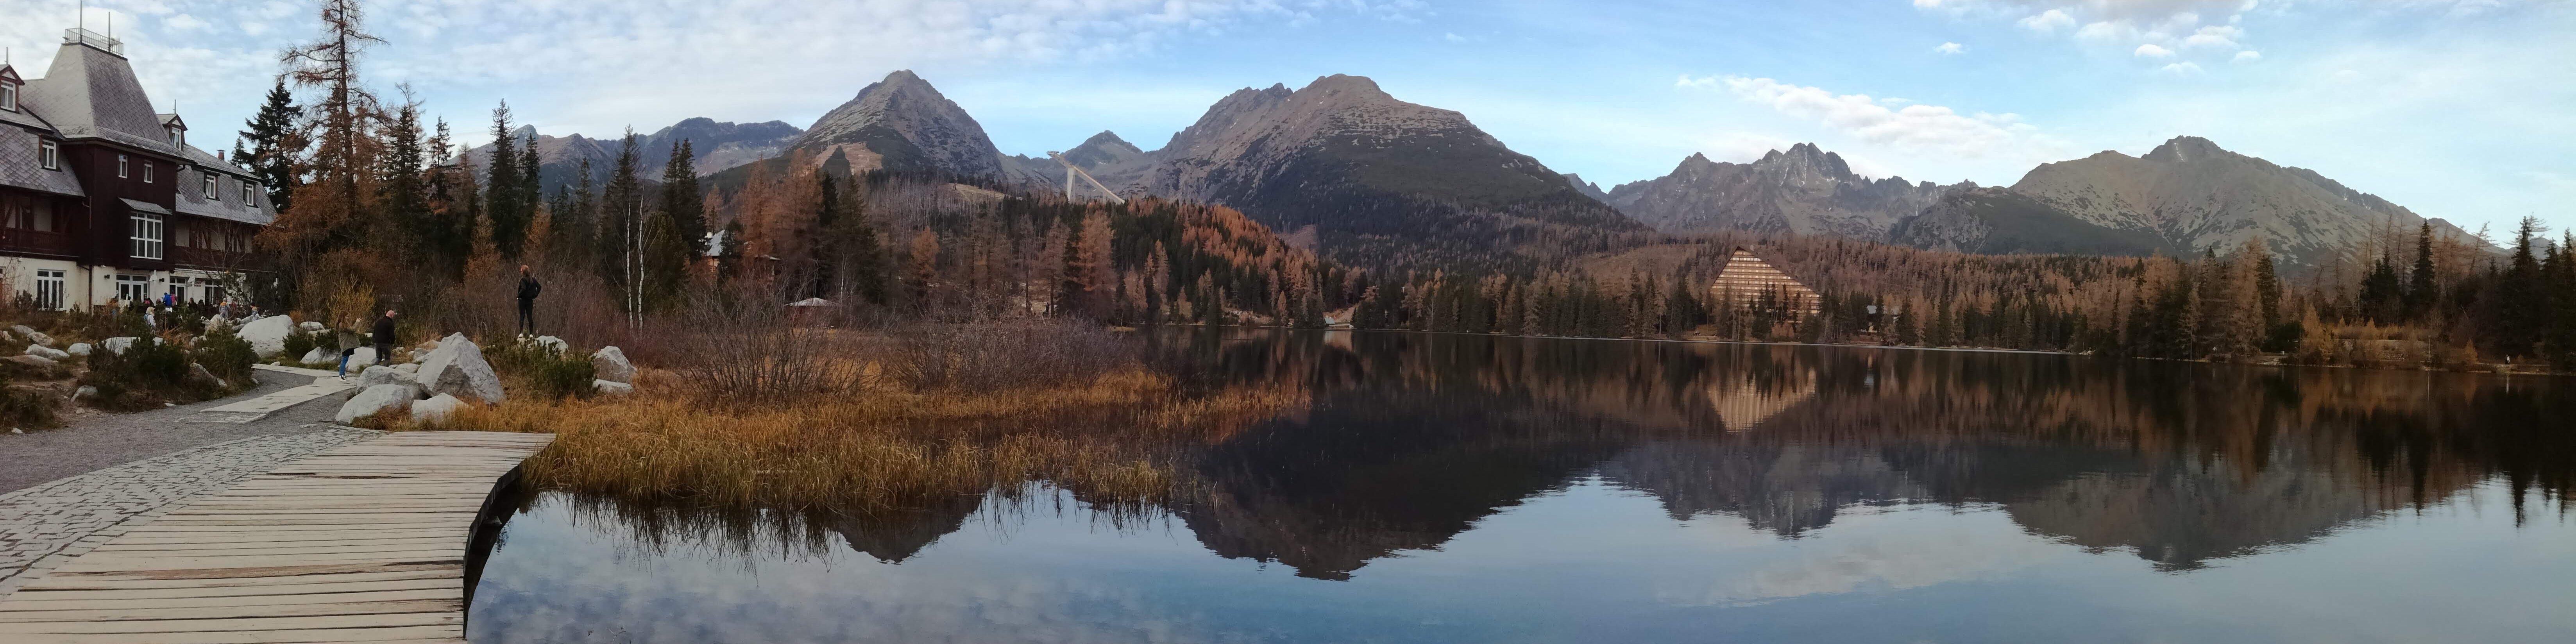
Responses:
[1450,488]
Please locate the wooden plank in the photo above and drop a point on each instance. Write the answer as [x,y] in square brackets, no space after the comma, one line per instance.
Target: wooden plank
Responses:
[359,543]
[443,633]
[440,618]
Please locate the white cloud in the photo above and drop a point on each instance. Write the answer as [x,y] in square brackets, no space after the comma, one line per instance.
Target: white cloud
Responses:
[2185,68]
[1950,48]
[1911,127]
[2247,56]
[2215,36]
[2048,22]
[2150,50]
[1452,37]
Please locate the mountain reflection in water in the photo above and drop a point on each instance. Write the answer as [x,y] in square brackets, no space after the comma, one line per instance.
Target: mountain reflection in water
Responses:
[1962,466]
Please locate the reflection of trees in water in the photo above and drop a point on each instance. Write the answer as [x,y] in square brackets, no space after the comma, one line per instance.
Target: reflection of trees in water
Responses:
[1412,438]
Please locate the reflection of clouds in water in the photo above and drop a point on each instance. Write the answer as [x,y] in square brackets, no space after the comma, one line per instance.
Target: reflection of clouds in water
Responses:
[571,584]
[1895,550]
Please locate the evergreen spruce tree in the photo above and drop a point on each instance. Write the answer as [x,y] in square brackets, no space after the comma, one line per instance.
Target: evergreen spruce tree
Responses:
[2421,290]
[680,196]
[275,146]
[2380,299]
[2560,337]
[407,221]
[501,186]
[2522,307]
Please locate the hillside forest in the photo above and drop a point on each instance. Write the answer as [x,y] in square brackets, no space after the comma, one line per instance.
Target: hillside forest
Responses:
[377,206]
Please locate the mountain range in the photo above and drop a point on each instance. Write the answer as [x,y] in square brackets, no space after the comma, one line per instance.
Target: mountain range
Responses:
[717,146]
[1372,180]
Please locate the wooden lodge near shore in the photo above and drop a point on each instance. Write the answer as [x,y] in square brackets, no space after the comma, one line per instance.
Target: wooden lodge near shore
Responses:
[1748,281]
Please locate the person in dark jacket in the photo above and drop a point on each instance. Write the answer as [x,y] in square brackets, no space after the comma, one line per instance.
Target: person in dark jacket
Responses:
[528,288]
[384,337]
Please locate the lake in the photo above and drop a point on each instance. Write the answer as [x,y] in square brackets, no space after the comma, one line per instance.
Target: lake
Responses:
[1450,488]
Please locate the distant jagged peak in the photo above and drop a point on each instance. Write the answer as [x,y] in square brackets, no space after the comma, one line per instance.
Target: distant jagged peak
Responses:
[2184,149]
[1107,140]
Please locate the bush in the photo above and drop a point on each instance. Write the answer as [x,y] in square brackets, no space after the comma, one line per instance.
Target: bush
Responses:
[1002,355]
[146,374]
[549,372]
[300,343]
[743,348]
[228,356]
[21,409]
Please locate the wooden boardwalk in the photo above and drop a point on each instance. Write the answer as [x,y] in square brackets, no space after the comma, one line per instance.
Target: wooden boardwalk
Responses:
[361,543]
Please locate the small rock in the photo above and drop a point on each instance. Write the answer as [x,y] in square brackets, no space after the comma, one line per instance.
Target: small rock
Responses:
[437,409]
[85,390]
[78,349]
[371,400]
[199,371]
[554,343]
[116,345]
[14,430]
[42,339]
[611,387]
[610,364]
[309,326]
[21,329]
[32,361]
[48,353]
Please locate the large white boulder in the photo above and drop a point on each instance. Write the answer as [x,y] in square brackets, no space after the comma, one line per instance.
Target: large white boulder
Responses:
[609,363]
[30,360]
[437,409]
[116,345]
[371,400]
[611,387]
[318,355]
[408,368]
[457,367]
[363,357]
[78,349]
[48,353]
[267,336]
[22,330]
[382,375]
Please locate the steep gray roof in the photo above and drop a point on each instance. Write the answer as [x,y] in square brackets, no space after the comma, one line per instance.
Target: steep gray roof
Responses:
[18,165]
[227,204]
[90,93]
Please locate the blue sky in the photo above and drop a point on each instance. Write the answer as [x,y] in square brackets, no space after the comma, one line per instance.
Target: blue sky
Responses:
[2455,108]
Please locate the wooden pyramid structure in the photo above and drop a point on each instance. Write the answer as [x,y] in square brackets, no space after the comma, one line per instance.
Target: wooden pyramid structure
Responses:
[1746,279]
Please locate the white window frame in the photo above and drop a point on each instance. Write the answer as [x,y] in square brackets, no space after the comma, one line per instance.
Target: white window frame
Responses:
[50,288]
[133,288]
[178,136]
[49,155]
[210,184]
[147,171]
[246,196]
[8,96]
[122,164]
[148,234]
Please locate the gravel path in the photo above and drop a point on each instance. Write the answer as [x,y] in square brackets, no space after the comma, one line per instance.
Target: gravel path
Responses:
[64,491]
[91,439]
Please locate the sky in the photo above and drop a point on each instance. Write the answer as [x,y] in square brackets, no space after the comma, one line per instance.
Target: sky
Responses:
[2458,109]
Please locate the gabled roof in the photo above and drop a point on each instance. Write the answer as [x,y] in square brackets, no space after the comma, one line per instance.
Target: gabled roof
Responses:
[91,93]
[18,165]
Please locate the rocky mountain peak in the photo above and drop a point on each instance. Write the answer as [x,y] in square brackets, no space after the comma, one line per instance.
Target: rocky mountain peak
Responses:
[904,123]
[2183,149]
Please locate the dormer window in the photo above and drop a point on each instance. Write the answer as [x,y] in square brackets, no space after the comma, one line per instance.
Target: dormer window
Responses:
[178,136]
[8,95]
[245,184]
[210,183]
[49,156]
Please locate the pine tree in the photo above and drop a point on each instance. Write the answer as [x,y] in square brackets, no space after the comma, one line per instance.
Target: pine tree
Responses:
[2379,300]
[405,191]
[2521,303]
[276,148]
[2421,290]
[2560,336]
[501,190]
[680,199]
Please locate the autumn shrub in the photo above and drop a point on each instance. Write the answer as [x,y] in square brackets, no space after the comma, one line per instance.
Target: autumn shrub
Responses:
[1001,355]
[543,369]
[227,356]
[23,409]
[742,348]
[146,374]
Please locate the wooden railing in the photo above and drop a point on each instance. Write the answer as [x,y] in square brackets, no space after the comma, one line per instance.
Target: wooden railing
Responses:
[21,240]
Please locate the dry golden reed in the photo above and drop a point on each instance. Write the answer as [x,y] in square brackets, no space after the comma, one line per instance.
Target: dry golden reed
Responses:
[880,446]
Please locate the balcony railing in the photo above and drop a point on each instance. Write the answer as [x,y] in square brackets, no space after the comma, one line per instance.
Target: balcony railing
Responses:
[21,240]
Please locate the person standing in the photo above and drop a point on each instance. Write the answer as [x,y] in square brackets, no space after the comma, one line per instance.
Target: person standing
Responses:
[348,348]
[384,337]
[528,288]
